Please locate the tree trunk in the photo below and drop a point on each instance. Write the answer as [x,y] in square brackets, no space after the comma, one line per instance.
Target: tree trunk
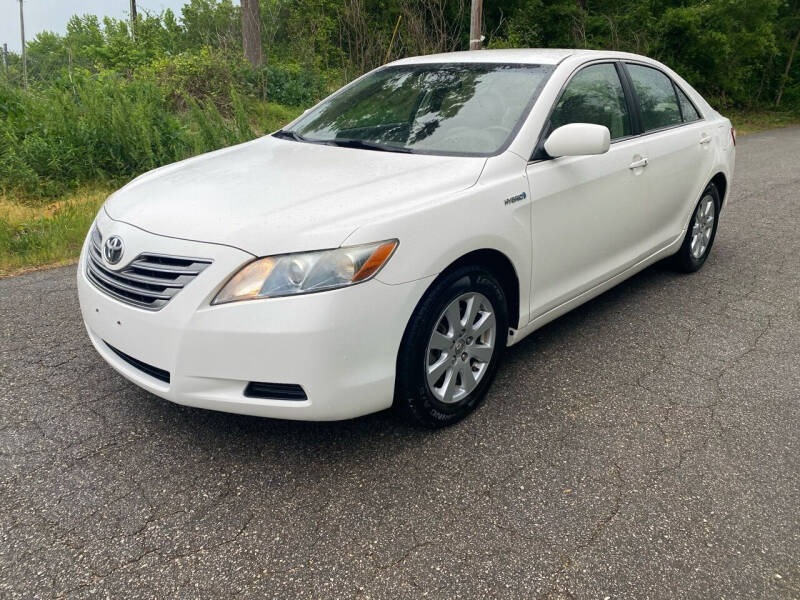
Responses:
[578,23]
[788,68]
[251,32]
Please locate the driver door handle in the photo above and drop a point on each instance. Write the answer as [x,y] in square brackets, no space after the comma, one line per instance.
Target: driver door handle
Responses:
[638,164]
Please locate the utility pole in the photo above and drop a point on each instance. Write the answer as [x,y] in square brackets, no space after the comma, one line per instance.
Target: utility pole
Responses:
[24,51]
[475,37]
[133,19]
[5,59]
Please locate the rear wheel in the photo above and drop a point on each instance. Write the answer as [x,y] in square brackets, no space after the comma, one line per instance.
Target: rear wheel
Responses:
[452,347]
[701,232]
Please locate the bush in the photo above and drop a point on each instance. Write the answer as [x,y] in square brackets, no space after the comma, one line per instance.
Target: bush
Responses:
[294,85]
[215,76]
[102,127]
[206,75]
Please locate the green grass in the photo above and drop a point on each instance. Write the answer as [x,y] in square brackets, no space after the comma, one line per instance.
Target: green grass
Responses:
[35,235]
[270,116]
[753,121]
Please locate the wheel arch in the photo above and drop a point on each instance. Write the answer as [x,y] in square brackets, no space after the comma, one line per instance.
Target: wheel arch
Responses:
[496,262]
[501,267]
[721,181]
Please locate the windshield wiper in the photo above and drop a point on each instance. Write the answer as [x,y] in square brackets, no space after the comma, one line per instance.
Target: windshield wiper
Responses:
[344,143]
[364,145]
[289,135]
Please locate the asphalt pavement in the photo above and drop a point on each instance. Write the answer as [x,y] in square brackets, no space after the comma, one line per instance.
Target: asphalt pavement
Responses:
[646,445]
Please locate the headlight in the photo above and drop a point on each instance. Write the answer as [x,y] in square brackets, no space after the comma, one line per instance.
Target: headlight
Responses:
[305,272]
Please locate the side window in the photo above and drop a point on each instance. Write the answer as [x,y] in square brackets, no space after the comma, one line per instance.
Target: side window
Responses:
[687,108]
[594,95]
[657,99]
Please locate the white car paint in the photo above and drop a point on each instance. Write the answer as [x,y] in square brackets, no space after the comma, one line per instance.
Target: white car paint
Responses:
[317,192]
[571,227]
[578,139]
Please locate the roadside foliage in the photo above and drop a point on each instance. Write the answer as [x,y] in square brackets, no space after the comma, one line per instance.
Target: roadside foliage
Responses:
[103,106]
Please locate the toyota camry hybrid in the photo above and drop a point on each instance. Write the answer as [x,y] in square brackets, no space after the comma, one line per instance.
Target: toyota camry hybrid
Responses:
[385,247]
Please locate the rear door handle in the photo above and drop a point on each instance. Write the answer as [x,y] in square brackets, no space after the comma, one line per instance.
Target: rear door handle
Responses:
[705,139]
[642,162]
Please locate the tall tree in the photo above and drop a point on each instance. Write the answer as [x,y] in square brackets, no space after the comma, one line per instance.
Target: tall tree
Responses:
[794,18]
[251,32]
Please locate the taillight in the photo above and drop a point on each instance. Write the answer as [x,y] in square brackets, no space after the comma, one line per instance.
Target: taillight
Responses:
[733,135]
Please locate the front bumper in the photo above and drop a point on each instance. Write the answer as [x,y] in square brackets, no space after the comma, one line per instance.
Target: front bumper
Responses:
[339,346]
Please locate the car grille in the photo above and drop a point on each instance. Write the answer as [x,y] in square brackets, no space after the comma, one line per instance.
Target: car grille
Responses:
[149,281]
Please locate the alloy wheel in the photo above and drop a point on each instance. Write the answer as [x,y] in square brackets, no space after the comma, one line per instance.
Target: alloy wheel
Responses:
[461,347]
[702,226]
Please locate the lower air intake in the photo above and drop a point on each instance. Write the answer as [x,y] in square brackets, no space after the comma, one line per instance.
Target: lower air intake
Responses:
[154,372]
[275,391]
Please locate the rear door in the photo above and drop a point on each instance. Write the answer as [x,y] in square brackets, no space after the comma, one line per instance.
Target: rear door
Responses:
[586,210]
[679,149]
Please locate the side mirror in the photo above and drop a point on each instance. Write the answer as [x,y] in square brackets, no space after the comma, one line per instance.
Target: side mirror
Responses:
[578,139]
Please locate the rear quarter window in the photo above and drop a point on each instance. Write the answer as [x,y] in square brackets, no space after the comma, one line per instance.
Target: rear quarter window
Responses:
[687,108]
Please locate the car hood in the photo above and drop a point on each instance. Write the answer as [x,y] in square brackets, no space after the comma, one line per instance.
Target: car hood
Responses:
[273,196]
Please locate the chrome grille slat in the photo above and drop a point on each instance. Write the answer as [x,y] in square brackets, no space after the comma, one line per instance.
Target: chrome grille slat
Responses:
[138,264]
[123,298]
[103,276]
[133,286]
[96,238]
[138,278]
[170,259]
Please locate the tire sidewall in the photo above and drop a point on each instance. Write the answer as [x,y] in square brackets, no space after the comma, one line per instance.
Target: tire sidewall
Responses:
[687,261]
[413,396]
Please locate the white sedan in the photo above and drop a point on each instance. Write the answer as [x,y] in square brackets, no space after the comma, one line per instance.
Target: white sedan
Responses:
[384,248]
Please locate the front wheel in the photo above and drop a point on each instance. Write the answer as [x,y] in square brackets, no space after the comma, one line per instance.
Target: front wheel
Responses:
[451,348]
[701,232]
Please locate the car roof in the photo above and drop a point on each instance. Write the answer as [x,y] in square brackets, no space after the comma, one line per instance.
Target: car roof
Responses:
[539,56]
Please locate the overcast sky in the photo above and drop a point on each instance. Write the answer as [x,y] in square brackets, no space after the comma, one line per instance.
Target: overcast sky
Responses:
[52,15]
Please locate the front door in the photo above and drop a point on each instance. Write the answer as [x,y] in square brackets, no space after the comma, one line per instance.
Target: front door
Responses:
[587,211]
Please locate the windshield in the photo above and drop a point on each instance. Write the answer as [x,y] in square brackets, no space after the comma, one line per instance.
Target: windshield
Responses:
[456,109]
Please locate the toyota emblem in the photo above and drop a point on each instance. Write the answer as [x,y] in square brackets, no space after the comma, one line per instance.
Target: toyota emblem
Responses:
[112,249]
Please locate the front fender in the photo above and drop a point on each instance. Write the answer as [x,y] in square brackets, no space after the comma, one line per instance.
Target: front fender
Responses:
[493,214]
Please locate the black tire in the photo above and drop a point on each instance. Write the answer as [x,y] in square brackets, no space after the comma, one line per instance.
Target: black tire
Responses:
[414,399]
[683,260]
